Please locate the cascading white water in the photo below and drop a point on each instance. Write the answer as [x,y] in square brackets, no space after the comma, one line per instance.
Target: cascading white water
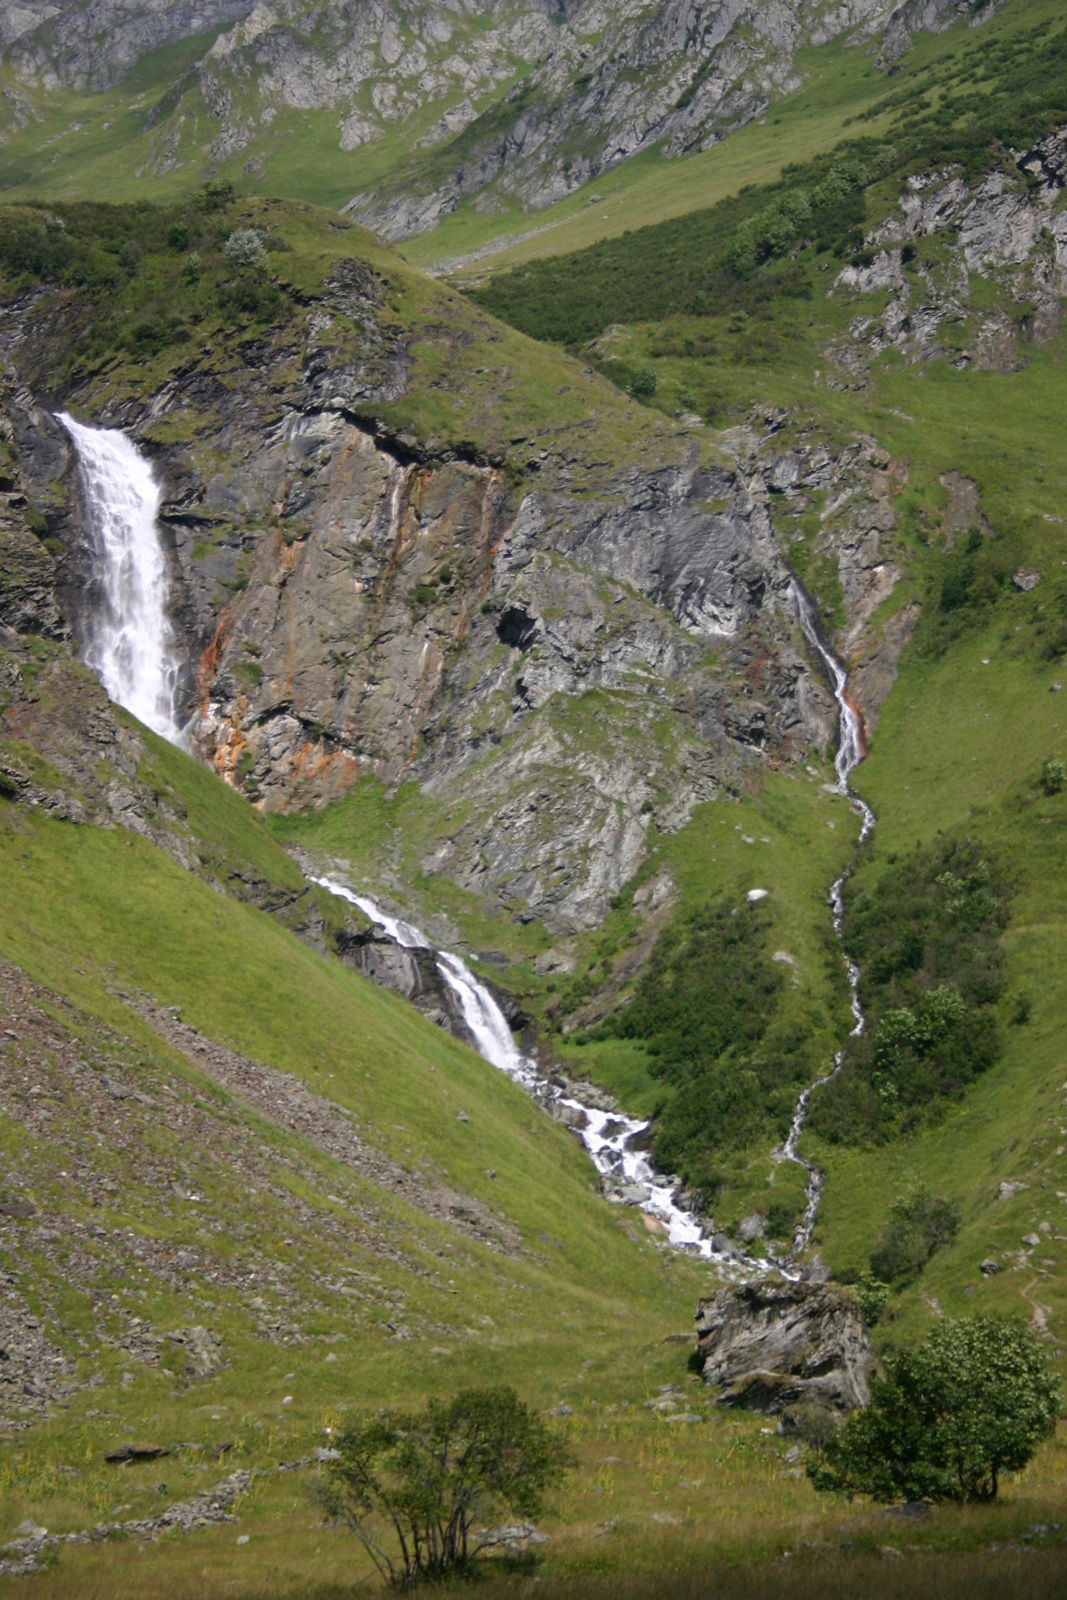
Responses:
[129,643]
[608,1136]
[850,752]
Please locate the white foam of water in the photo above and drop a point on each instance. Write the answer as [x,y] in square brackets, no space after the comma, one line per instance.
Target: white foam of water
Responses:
[129,643]
[608,1136]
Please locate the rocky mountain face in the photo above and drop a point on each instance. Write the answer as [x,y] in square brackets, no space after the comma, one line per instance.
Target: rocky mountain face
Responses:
[558,650]
[90,44]
[517,101]
[680,75]
[1007,224]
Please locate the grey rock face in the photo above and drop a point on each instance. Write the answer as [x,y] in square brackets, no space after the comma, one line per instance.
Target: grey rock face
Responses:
[357,667]
[89,44]
[928,16]
[772,1345]
[1009,227]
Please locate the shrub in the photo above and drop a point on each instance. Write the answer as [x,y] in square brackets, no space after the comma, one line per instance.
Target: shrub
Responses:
[926,939]
[642,385]
[919,1223]
[244,247]
[948,1417]
[214,194]
[412,1486]
[1053,775]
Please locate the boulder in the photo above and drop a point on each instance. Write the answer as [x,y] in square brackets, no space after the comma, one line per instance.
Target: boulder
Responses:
[203,1351]
[772,1345]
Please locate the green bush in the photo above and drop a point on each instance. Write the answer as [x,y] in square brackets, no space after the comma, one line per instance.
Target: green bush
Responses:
[947,1418]
[919,1223]
[415,1487]
[926,939]
[1053,775]
[707,1010]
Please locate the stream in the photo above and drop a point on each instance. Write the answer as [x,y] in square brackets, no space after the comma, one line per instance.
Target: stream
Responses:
[129,643]
[850,752]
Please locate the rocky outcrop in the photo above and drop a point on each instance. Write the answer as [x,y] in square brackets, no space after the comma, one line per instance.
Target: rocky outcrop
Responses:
[834,515]
[929,16]
[36,1547]
[90,44]
[1008,226]
[412,972]
[775,1346]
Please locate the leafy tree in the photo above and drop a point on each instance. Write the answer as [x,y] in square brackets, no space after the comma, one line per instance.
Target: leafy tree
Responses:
[948,1417]
[413,1485]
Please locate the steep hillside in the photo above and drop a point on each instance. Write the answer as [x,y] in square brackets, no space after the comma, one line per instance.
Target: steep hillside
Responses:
[418,108]
[912,291]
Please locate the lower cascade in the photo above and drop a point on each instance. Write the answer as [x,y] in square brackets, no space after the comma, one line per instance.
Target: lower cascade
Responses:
[611,1138]
[129,642]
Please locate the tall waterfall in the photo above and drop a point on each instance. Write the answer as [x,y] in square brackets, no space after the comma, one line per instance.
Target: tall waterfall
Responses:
[129,643]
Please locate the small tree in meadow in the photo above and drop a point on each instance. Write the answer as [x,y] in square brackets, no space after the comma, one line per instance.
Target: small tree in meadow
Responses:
[416,1488]
[948,1417]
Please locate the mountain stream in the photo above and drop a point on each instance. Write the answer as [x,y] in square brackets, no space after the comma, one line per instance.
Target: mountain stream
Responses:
[129,644]
[850,752]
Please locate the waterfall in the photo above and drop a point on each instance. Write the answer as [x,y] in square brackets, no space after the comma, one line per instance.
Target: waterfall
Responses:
[850,752]
[128,640]
[610,1138]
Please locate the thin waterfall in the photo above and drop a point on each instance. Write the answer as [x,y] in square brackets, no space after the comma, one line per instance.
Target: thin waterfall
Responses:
[850,752]
[128,641]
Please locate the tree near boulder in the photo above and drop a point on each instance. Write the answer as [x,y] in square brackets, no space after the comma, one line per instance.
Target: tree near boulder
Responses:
[948,1417]
[413,1486]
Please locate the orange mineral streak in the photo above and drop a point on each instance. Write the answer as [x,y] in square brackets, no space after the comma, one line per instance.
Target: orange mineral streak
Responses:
[208,666]
[330,773]
[861,725]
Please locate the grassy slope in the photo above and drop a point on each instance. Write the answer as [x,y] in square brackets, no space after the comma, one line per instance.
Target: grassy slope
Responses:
[579,1317]
[97,915]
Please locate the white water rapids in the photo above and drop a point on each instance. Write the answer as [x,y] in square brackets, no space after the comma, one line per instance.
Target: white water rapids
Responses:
[610,1137]
[129,643]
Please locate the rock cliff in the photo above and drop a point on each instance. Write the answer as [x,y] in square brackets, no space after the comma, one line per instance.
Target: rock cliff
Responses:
[1008,227]
[558,650]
